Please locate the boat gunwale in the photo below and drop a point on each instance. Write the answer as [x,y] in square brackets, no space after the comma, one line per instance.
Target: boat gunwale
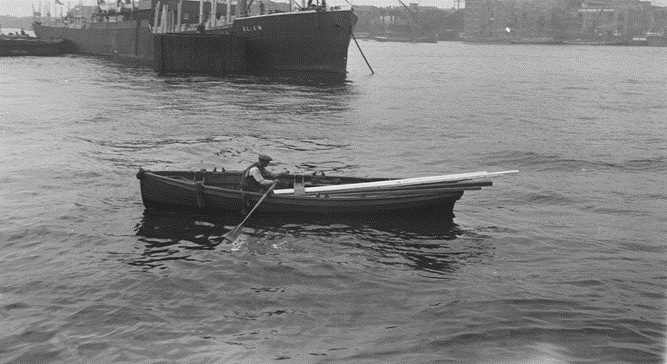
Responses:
[343,197]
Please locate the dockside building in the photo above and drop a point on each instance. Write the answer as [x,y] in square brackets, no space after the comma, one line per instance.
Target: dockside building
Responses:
[502,19]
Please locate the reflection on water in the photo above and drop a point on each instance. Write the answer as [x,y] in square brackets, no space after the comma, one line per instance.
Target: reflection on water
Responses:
[266,95]
[316,80]
[556,264]
[428,244]
[163,224]
[265,98]
[294,78]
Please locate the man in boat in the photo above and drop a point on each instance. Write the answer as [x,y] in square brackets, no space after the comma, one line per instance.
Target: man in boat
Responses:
[257,178]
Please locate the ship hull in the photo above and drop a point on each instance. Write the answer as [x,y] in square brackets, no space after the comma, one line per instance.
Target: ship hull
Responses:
[125,41]
[299,41]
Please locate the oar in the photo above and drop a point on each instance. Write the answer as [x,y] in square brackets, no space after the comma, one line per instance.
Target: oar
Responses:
[233,234]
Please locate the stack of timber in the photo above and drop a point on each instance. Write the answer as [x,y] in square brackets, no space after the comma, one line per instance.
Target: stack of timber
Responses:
[311,194]
[415,186]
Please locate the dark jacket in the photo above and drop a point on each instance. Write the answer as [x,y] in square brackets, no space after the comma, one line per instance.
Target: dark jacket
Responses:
[248,182]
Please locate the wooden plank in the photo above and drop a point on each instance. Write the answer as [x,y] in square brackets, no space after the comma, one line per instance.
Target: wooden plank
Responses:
[388,183]
[399,193]
[421,189]
[439,185]
[398,182]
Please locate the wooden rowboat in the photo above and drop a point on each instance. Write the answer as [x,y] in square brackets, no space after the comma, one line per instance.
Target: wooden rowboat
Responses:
[308,194]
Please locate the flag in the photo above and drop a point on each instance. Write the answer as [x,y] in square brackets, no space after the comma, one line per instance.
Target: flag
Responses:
[59,3]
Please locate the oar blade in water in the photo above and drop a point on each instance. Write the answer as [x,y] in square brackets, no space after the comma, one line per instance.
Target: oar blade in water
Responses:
[233,234]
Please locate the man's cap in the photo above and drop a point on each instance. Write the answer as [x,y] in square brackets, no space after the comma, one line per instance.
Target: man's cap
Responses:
[265,158]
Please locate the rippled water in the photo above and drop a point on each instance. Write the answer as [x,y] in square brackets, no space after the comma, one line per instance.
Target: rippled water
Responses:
[561,263]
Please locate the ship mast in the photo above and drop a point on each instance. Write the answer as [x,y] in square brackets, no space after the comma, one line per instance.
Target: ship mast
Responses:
[201,11]
[214,11]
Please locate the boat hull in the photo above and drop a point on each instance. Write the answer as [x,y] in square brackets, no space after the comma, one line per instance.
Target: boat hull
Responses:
[427,39]
[298,41]
[216,191]
[16,46]
[601,42]
[536,40]
[486,40]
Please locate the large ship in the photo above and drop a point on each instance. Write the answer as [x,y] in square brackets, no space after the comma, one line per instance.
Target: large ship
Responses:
[413,31]
[181,37]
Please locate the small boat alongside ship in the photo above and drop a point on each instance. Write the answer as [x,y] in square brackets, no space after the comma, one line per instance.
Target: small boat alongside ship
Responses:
[173,38]
[30,46]
[485,40]
[310,194]
[596,41]
[408,39]
[536,40]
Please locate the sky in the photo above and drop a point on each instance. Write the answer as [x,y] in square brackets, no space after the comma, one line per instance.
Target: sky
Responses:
[21,8]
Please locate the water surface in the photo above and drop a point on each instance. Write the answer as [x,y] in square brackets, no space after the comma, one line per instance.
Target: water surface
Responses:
[561,263]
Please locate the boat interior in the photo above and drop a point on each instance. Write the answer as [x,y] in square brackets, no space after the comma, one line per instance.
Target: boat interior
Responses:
[232,179]
[301,184]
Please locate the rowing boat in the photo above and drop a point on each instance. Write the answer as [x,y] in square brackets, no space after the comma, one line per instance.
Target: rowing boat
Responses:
[309,194]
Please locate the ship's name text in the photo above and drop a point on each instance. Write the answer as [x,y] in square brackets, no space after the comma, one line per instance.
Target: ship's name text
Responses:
[252,28]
